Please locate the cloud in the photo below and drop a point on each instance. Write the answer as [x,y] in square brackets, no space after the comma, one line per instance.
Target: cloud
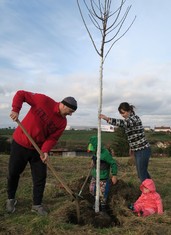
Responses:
[45,48]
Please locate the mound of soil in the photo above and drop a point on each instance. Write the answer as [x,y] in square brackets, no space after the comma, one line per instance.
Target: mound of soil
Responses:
[120,196]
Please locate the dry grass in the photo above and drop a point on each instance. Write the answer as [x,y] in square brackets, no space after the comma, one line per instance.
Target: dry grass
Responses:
[62,211]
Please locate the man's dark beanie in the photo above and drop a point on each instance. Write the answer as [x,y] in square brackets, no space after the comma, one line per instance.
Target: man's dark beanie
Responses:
[70,102]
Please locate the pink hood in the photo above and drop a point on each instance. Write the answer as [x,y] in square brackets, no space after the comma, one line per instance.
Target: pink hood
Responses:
[148,183]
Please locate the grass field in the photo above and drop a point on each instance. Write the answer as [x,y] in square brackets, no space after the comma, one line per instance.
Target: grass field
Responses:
[59,202]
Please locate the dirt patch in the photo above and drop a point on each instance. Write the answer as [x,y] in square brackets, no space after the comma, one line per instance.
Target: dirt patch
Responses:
[120,196]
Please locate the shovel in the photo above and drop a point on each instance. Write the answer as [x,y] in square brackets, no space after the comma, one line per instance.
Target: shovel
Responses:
[75,197]
[84,184]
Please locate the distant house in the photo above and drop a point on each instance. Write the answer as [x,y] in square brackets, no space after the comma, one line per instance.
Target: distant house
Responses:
[163,145]
[162,129]
[64,152]
[107,128]
[147,128]
[68,128]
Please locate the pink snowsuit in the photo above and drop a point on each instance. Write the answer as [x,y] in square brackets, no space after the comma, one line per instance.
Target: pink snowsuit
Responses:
[149,202]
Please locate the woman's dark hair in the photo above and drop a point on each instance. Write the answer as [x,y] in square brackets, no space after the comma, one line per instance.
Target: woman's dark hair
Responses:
[126,107]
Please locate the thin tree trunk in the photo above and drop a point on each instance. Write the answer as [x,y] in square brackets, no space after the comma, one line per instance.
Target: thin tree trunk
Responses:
[100,13]
[99,139]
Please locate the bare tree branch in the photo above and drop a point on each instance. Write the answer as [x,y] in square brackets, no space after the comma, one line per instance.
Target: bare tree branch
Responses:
[119,38]
[120,24]
[99,13]
[87,29]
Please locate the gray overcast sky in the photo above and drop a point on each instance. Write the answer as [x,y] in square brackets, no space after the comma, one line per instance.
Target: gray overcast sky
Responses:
[45,48]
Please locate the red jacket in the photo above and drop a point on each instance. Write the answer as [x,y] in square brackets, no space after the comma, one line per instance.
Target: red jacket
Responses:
[43,121]
[151,200]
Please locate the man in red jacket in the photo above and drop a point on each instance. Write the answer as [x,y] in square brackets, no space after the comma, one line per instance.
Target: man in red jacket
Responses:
[45,122]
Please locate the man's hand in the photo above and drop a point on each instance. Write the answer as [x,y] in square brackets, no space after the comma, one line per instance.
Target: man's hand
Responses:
[45,158]
[14,116]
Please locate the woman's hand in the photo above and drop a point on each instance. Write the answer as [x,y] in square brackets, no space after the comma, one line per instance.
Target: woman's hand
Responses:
[102,116]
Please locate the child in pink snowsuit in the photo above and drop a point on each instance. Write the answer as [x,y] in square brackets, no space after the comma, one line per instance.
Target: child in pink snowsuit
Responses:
[150,201]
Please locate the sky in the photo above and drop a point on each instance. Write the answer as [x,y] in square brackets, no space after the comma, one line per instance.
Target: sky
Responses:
[45,48]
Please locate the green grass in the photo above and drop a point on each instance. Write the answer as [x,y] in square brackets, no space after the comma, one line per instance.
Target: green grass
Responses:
[81,138]
[158,136]
[85,134]
[23,221]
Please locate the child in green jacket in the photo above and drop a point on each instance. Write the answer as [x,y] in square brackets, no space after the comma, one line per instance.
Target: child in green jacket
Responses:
[107,166]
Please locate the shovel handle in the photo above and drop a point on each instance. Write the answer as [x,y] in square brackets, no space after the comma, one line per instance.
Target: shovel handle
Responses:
[30,138]
[85,181]
[48,163]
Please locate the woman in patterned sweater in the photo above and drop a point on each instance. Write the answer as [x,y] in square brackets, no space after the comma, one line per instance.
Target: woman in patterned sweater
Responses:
[136,137]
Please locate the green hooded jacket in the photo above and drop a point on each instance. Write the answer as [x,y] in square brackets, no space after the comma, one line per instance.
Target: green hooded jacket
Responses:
[107,162]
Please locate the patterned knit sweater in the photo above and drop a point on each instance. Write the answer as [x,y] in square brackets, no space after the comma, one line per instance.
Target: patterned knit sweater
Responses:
[134,131]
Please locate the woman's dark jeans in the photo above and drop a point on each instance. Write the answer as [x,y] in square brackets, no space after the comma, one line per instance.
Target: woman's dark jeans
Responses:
[141,160]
